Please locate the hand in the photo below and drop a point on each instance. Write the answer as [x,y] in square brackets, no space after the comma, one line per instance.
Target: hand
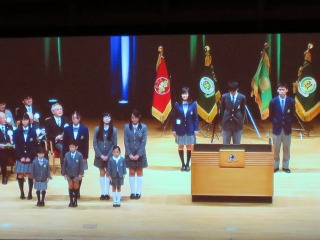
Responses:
[34,181]
[174,134]
[85,160]
[80,177]
[196,133]
[110,179]
[131,157]
[136,157]
[23,159]
[28,160]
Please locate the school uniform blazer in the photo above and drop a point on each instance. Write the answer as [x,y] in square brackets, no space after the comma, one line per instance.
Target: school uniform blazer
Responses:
[281,120]
[73,167]
[53,130]
[104,147]
[135,143]
[82,139]
[40,172]
[24,148]
[112,167]
[232,115]
[185,125]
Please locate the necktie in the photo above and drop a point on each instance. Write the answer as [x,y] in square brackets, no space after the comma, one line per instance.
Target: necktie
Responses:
[76,129]
[72,155]
[59,122]
[3,129]
[25,131]
[134,129]
[29,109]
[232,99]
[282,105]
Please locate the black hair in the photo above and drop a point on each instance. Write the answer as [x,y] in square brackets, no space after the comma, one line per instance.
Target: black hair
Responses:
[233,85]
[101,128]
[116,147]
[41,149]
[282,84]
[73,142]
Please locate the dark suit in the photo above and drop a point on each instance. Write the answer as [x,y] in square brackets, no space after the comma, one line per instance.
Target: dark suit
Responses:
[185,125]
[53,130]
[82,139]
[281,129]
[232,117]
[22,109]
[4,153]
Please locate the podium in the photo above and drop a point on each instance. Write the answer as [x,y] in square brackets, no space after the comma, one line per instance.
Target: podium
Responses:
[232,172]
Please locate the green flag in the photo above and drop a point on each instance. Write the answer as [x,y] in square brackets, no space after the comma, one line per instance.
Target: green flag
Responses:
[208,92]
[306,90]
[261,86]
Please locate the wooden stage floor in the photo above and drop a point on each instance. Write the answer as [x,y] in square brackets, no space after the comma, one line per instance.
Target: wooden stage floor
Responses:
[165,210]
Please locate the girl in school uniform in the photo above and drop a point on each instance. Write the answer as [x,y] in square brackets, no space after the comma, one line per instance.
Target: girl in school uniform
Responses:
[116,172]
[72,170]
[185,126]
[135,140]
[104,139]
[40,172]
[25,140]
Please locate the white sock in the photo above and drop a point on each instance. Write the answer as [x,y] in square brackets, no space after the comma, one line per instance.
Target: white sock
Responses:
[119,197]
[132,181]
[103,185]
[114,196]
[107,185]
[139,184]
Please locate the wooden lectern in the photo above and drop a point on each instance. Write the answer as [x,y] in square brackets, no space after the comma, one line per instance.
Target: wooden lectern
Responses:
[232,172]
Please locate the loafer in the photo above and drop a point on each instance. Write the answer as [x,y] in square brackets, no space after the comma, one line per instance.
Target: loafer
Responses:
[276,170]
[38,204]
[42,204]
[102,197]
[187,169]
[183,168]
[107,197]
[114,205]
[132,196]
[29,196]
[118,205]
[71,204]
[287,170]
[22,196]
[4,180]
[138,196]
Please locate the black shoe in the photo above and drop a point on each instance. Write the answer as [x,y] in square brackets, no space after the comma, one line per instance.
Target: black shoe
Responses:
[118,205]
[276,170]
[29,196]
[138,196]
[187,169]
[78,196]
[4,180]
[132,196]
[115,205]
[103,197]
[38,204]
[71,204]
[287,170]
[107,197]
[22,196]
[183,168]
[75,204]
[42,204]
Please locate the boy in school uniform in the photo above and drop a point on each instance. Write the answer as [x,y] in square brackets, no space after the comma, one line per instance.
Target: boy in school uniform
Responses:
[40,172]
[117,171]
[73,170]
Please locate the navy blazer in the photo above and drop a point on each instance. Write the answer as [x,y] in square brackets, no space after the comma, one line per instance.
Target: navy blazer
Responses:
[185,125]
[112,167]
[26,149]
[281,120]
[82,139]
[53,130]
[232,115]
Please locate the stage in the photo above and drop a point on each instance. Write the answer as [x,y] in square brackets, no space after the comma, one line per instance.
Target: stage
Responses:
[166,210]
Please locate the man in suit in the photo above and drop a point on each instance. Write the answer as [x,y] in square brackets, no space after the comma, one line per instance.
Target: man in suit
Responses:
[6,134]
[282,109]
[28,107]
[232,110]
[54,128]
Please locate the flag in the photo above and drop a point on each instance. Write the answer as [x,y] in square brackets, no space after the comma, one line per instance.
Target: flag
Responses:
[208,92]
[261,86]
[161,105]
[306,90]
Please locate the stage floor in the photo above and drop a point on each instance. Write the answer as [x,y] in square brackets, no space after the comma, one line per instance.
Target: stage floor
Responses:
[165,210]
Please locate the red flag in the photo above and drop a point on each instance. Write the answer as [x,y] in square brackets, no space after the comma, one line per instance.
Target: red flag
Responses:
[161,105]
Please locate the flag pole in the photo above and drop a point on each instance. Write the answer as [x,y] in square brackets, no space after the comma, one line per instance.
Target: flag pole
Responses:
[252,121]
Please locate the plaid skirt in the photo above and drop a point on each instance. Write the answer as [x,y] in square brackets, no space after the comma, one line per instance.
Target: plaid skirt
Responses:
[140,163]
[23,167]
[186,140]
[40,186]
[117,181]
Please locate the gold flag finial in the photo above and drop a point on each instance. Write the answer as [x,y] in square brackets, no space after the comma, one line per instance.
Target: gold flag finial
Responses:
[208,58]
[160,50]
